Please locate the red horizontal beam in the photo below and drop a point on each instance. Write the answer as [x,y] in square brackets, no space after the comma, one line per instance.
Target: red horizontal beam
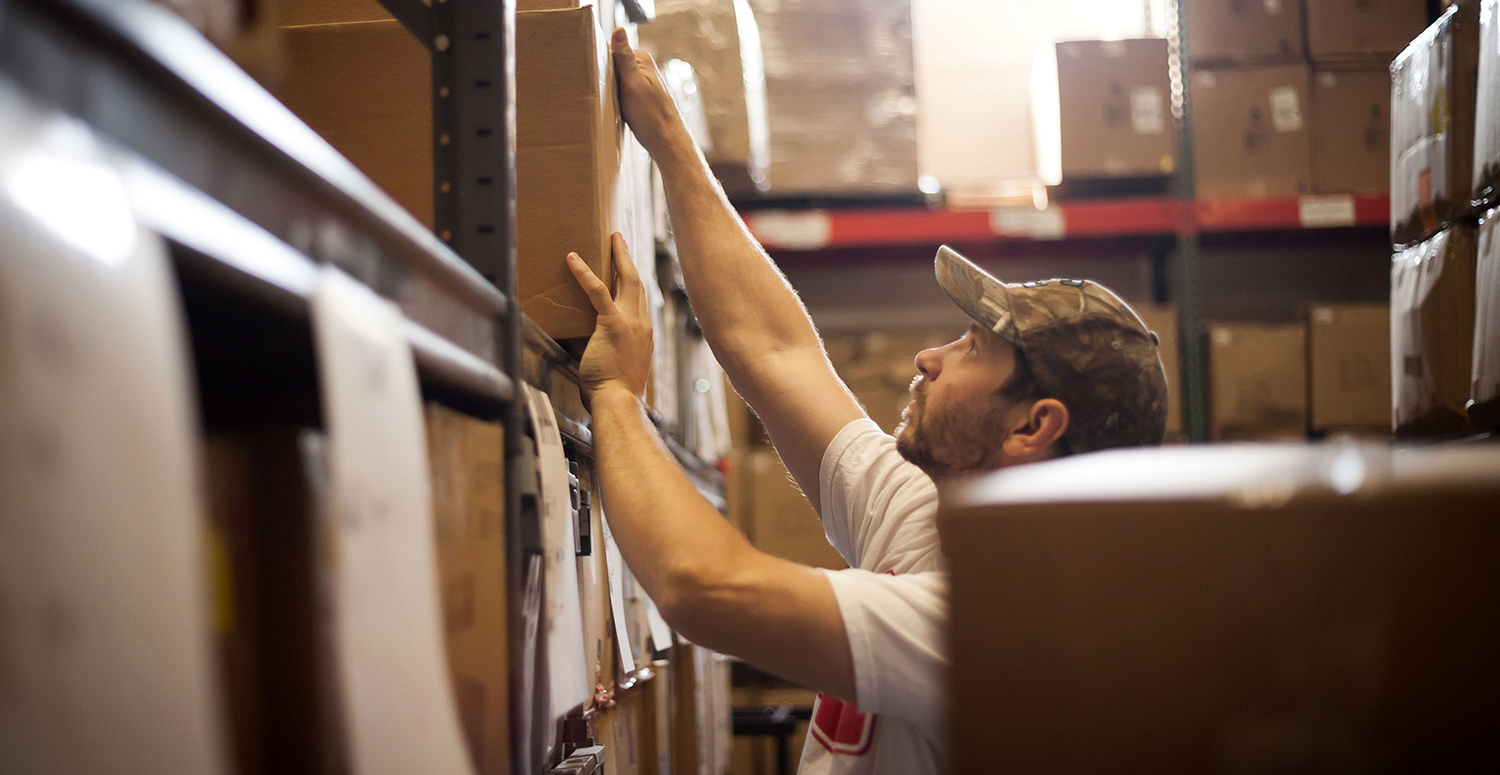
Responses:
[819,229]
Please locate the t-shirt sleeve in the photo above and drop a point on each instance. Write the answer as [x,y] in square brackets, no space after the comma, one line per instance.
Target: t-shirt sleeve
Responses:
[878,510]
[896,634]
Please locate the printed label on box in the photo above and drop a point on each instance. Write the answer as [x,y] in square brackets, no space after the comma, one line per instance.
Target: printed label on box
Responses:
[1322,212]
[1147,115]
[1286,109]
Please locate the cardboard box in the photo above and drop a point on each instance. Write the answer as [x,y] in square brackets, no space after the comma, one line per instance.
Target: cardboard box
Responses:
[1432,334]
[1349,367]
[1196,609]
[841,97]
[1433,86]
[274,637]
[466,459]
[1103,109]
[366,87]
[1351,130]
[783,523]
[1484,385]
[569,140]
[1243,30]
[720,39]
[1348,29]
[1162,319]
[1257,381]
[878,368]
[1250,133]
[1486,176]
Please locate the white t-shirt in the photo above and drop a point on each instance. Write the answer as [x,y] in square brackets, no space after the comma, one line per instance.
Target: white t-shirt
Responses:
[879,512]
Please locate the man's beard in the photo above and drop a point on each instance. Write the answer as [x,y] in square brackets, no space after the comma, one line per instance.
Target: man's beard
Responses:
[944,443]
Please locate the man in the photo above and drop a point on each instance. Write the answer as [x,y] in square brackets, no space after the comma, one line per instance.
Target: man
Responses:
[1045,370]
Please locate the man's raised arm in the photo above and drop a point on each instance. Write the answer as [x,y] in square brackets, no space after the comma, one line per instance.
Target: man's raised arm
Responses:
[750,315]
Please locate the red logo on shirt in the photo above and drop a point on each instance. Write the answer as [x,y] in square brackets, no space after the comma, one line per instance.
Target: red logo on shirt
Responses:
[841,728]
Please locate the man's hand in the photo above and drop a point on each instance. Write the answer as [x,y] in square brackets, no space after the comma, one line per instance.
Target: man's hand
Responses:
[647,107]
[619,353]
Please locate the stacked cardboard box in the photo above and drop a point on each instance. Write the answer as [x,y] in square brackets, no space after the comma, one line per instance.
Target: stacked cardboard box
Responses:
[841,96]
[1258,381]
[702,727]
[1433,85]
[466,461]
[1486,177]
[1432,333]
[1250,131]
[721,41]
[1102,110]
[1351,125]
[1484,388]
[1349,368]
[1271,118]
[359,79]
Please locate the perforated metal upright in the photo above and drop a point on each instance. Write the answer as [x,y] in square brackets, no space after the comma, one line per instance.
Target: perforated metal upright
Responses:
[1186,286]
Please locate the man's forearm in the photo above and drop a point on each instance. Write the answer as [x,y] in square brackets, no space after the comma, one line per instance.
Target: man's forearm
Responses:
[743,302]
[666,530]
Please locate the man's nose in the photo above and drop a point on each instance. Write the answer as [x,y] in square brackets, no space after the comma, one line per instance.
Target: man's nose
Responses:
[929,363]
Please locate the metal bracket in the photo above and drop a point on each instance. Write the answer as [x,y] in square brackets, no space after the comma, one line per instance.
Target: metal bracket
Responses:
[414,15]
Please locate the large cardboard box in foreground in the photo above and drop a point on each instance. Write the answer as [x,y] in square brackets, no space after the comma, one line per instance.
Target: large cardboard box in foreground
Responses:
[1348,29]
[1244,31]
[1351,130]
[1433,86]
[1106,112]
[569,141]
[1349,367]
[366,87]
[1250,135]
[1204,608]
[1484,387]
[1257,381]
[1432,333]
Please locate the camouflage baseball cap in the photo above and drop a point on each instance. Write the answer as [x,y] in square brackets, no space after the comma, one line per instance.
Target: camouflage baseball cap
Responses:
[1085,345]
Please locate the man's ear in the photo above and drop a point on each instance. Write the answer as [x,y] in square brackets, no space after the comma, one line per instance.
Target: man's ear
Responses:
[1035,433]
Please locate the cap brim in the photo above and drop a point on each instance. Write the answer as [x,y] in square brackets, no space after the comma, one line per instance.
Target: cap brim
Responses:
[976,292]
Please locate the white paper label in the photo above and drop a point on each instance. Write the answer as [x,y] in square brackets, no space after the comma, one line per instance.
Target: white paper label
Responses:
[1286,109]
[1206,79]
[388,639]
[1322,212]
[1147,110]
[793,230]
[1328,80]
[1028,222]
[1222,337]
[562,620]
[106,662]
[1273,7]
[615,572]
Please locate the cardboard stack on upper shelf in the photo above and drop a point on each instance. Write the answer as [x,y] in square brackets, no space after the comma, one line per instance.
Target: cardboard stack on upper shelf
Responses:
[840,91]
[1249,98]
[1432,333]
[721,41]
[1102,109]
[1433,90]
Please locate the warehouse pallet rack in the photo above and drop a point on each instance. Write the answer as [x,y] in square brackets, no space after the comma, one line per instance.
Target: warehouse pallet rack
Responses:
[1172,224]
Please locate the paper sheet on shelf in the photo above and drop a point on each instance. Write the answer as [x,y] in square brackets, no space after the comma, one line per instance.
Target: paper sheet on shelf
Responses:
[615,566]
[661,632]
[398,705]
[106,662]
[531,617]
[562,622]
